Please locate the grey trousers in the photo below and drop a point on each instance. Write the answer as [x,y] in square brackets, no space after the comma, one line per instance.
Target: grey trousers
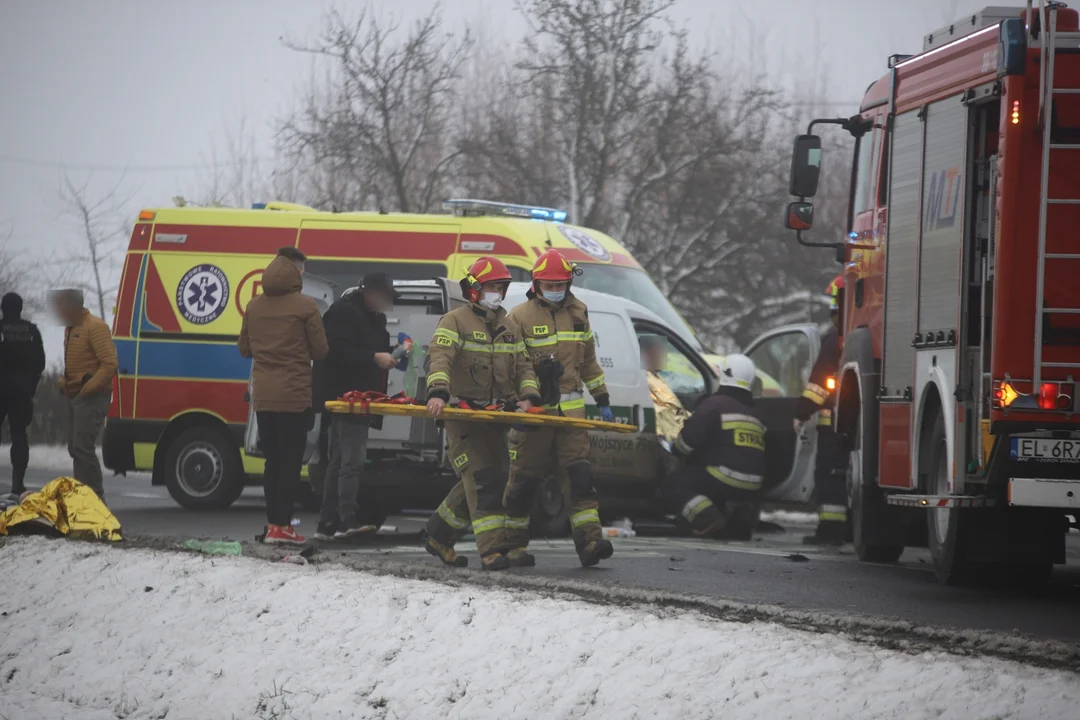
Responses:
[85,418]
[348,452]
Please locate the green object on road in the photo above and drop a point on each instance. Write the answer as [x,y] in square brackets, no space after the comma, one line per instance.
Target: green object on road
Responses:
[214,547]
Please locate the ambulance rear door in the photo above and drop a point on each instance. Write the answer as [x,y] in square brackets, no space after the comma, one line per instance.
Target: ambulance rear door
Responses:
[321,291]
[415,315]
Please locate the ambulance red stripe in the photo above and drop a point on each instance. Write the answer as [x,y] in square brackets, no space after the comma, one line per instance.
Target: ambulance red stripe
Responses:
[163,399]
[500,245]
[381,244]
[224,239]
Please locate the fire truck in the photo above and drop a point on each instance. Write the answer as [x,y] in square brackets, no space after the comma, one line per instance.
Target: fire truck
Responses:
[957,390]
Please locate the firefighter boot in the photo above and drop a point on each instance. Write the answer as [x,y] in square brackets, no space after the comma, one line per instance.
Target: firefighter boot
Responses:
[829,533]
[447,554]
[494,561]
[520,557]
[594,551]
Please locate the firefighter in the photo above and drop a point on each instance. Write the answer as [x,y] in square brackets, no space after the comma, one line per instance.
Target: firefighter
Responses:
[556,329]
[830,467]
[723,444]
[477,357]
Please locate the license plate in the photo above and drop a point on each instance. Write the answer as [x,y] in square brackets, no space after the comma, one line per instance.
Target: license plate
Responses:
[1042,450]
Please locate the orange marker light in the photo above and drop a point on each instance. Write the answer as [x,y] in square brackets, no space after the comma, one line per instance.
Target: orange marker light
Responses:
[1015,117]
[830,384]
[147,215]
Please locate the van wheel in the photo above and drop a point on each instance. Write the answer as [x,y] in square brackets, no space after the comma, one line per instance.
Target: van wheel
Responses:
[202,470]
[551,515]
[946,528]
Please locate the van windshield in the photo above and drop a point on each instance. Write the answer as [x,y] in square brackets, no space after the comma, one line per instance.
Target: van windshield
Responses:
[636,286]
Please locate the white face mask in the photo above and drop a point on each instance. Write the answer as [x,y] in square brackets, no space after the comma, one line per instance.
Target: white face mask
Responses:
[491,300]
[555,296]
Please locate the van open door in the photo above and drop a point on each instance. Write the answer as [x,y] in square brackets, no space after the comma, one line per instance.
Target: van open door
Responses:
[322,292]
[784,358]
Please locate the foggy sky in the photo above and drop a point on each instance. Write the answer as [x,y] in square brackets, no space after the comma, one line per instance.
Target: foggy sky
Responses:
[151,85]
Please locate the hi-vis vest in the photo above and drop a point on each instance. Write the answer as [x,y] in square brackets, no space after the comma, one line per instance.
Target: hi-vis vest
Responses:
[479,355]
[563,332]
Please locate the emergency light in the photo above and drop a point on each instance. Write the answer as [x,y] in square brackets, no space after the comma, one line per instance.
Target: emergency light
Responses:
[472,208]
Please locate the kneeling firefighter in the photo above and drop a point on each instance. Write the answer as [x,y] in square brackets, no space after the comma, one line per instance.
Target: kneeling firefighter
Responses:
[559,339]
[830,463]
[723,444]
[477,358]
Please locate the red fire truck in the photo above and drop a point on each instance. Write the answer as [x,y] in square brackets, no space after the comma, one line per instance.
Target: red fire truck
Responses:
[957,388]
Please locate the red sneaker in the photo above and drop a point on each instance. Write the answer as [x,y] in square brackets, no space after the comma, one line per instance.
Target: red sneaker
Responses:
[278,535]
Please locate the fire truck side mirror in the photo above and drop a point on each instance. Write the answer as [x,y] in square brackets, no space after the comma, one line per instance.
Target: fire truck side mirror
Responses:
[805,166]
[799,216]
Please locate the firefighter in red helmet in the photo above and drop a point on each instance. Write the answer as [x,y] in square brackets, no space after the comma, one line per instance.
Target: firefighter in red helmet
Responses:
[830,468]
[560,341]
[477,357]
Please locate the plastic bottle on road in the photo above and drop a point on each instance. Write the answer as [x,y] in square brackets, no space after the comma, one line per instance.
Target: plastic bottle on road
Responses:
[620,528]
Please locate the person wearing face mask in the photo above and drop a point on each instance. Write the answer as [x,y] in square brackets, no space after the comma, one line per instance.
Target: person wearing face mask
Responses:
[283,333]
[359,359]
[563,350]
[477,358]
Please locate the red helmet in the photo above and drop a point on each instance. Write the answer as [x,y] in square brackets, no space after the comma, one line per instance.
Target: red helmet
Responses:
[553,267]
[484,270]
[833,292]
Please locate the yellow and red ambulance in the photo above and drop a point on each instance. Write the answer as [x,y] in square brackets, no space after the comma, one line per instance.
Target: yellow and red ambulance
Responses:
[180,403]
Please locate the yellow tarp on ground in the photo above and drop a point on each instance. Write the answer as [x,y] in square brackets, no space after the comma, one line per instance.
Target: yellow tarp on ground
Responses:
[484,416]
[70,507]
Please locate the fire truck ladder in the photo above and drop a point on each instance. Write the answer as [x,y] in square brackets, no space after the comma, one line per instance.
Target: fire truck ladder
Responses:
[1049,38]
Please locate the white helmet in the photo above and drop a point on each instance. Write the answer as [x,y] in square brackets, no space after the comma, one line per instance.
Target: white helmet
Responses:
[736,371]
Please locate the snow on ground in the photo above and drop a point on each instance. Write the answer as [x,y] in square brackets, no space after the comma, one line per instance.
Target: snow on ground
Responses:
[42,457]
[789,517]
[96,632]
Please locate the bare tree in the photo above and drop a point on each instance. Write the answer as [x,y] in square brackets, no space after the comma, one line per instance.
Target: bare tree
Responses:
[89,263]
[381,125]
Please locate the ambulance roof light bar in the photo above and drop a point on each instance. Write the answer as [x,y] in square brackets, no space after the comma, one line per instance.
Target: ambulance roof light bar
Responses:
[464,207]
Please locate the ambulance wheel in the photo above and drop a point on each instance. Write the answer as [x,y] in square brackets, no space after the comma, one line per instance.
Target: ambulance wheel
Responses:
[948,534]
[551,515]
[203,470]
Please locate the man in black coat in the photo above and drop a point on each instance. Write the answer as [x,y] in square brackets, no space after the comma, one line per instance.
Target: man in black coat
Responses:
[359,360]
[22,361]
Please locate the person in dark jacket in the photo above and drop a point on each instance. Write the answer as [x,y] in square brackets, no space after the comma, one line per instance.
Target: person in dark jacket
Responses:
[22,361]
[723,444]
[830,463]
[359,359]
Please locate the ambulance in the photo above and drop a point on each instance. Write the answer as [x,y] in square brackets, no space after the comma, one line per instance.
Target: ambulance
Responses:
[180,400]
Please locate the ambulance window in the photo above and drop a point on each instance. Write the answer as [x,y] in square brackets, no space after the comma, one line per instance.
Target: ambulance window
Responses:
[783,361]
[518,274]
[614,350]
[347,273]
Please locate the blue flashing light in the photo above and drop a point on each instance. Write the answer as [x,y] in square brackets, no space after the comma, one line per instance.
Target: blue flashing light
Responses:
[490,207]
[258,206]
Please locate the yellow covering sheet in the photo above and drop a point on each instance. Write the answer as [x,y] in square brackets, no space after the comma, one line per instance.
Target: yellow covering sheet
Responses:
[70,507]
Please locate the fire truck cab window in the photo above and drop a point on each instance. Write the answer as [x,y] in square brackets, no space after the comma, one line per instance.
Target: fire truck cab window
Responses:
[866,165]
[784,359]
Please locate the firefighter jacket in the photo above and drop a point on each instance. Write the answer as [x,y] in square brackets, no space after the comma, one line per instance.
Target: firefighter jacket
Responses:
[726,437]
[817,396]
[561,333]
[478,355]
[670,413]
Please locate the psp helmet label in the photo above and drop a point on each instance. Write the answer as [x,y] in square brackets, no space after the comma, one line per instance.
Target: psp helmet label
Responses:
[585,242]
[203,294]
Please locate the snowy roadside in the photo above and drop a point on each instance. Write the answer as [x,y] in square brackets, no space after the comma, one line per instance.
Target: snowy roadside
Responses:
[42,457]
[89,631]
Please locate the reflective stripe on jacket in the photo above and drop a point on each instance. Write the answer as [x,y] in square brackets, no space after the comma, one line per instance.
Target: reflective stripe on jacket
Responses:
[817,395]
[726,436]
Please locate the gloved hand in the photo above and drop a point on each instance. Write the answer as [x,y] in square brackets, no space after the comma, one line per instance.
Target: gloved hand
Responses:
[798,426]
[606,414]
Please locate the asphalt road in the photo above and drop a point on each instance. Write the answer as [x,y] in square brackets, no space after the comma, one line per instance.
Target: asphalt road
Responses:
[774,568]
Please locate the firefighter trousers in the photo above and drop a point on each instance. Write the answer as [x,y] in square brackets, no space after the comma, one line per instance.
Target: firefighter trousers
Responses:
[830,477]
[477,452]
[706,503]
[534,455]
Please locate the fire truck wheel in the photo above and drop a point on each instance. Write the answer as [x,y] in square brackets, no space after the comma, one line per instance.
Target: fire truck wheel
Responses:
[871,525]
[948,529]
[202,469]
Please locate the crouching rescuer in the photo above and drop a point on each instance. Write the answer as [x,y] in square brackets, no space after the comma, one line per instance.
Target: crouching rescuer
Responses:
[723,444]
[830,464]
[477,359]
[560,341]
